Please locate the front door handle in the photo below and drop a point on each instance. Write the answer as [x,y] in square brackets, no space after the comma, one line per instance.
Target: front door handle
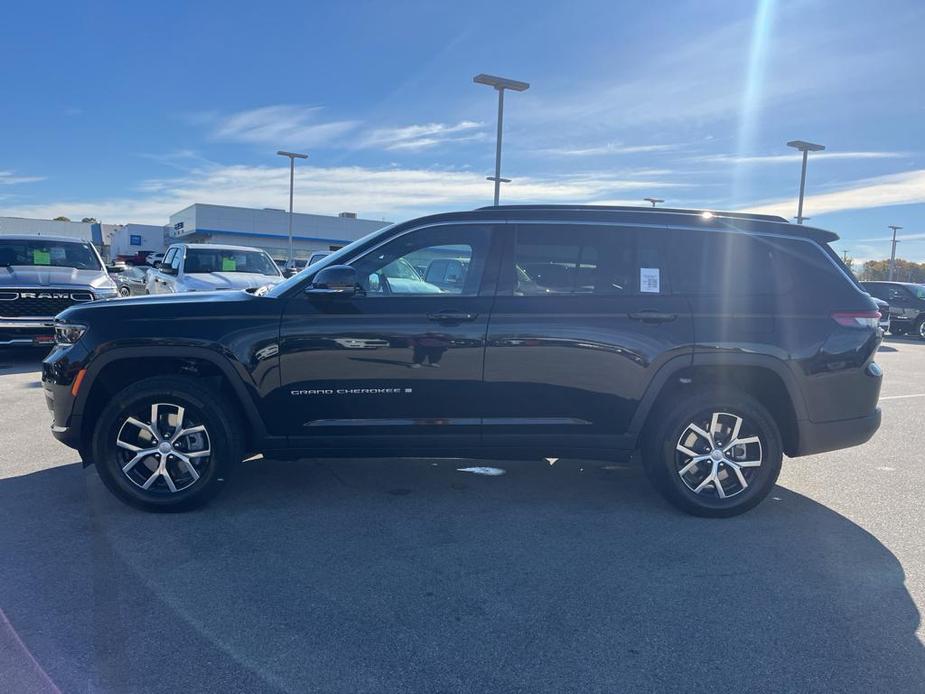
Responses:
[653,316]
[451,317]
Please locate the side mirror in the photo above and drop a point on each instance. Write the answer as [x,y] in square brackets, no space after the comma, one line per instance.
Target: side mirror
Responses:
[115,269]
[337,280]
[166,269]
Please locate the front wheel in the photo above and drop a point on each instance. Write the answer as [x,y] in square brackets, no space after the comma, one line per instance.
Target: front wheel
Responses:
[715,453]
[165,444]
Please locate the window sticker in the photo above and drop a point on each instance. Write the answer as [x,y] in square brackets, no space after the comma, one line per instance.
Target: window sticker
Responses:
[40,257]
[649,280]
[229,265]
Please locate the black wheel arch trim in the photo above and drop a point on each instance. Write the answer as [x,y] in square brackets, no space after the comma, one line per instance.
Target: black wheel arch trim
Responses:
[679,364]
[224,365]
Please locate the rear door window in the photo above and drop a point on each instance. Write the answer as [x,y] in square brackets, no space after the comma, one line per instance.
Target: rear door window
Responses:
[586,259]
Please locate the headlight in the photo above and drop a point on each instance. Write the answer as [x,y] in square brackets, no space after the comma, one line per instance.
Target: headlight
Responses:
[68,333]
[105,292]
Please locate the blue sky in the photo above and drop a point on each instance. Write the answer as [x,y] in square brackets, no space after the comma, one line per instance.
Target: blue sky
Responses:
[131,111]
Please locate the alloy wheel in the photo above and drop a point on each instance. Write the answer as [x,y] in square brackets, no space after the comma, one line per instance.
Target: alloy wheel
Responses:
[165,449]
[718,456]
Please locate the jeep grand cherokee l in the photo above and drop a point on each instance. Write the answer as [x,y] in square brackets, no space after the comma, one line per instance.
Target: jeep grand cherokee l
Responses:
[715,342]
[40,276]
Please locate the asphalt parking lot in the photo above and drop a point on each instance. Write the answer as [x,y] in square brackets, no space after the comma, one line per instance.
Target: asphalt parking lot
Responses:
[411,576]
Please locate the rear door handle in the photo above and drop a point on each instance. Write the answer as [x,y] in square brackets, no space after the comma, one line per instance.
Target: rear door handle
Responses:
[451,317]
[653,316]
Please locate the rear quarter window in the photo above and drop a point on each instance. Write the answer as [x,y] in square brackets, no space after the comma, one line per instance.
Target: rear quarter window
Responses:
[731,263]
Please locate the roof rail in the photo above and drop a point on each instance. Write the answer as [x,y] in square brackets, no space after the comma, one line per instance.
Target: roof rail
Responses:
[641,208]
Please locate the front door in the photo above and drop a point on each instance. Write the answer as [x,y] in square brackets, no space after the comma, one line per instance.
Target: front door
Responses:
[583,320]
[399,365]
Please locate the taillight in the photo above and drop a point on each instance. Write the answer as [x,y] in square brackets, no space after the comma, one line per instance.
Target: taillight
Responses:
[857,319]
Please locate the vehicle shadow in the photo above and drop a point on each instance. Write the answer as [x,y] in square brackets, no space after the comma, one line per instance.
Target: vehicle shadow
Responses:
[412,576]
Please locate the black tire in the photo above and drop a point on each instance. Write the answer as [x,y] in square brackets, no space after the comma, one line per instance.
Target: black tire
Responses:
[202,407]
[896,330]
[663,461]
[125,291]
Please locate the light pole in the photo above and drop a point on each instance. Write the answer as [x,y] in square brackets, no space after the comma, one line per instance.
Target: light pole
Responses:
[806,148]
[654,201]
[893,251]
[292,157]
[500,84]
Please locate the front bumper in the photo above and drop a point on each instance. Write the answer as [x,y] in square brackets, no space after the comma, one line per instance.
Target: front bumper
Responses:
[27,332]
[59,371]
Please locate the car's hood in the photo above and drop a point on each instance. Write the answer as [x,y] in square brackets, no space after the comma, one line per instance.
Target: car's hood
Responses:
[230,280]
[39,276]
[138,307]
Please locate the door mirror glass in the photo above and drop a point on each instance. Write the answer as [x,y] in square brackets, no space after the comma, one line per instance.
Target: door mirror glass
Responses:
[338,280]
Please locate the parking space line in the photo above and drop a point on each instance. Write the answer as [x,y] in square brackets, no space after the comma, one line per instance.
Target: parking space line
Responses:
[900,397]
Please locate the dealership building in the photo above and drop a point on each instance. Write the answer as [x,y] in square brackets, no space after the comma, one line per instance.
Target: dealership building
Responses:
[268,229]
[240,226]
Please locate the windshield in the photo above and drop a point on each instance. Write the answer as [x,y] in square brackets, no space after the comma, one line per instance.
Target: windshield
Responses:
[401,269]
[229,260]
[38,253]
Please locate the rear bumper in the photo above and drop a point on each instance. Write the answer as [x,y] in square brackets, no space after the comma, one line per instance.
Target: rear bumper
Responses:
[819,437]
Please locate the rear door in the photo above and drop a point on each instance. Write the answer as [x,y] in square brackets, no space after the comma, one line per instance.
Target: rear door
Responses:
[583,319]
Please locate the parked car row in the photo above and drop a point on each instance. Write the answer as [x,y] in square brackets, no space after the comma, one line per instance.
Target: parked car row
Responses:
[40,276]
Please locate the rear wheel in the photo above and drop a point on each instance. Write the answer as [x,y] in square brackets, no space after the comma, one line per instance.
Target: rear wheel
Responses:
[165,444]
[125,291]
[714,454]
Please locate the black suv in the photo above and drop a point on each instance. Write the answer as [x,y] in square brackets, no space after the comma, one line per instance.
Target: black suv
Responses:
[907,305]
[714,342]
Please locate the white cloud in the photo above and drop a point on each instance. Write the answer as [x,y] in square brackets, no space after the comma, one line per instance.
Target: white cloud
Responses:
[415,137]
[790,158]
[895,189]
[8,178]
[302,126]
[391,192]
[281,126]
[609,148]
